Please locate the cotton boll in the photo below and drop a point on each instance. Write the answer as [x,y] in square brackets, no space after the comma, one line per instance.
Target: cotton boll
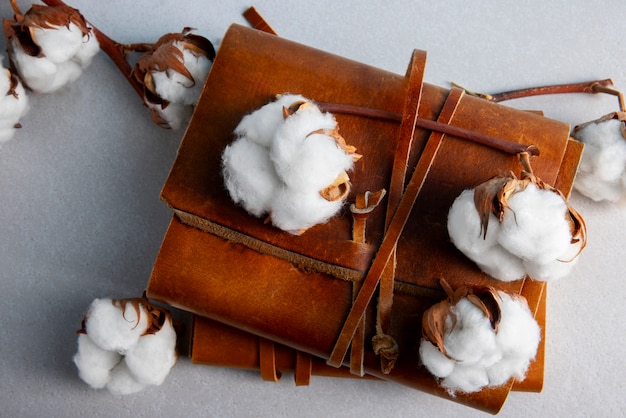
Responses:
[175,87]
[478,353]
[42,75]
[535,226]
[113,329]
[249,176]
[151,359]
[261,125]
[123,382]
[94,364]
[602,171]
[288,160]
[295,211]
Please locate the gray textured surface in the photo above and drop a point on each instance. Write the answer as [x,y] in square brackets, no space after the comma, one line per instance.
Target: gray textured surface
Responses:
[81,218]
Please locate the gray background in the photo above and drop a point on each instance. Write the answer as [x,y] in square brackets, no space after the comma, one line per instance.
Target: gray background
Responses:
[80,215]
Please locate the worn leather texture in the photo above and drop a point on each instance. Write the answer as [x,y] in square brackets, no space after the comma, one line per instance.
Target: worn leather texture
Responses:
[219,262]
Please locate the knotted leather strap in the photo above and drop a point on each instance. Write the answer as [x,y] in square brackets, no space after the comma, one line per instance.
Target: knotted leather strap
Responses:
[383,343]
[364,204]
[398,221]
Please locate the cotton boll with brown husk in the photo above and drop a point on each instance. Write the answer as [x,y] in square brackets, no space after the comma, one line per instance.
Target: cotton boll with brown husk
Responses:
[49,46]
[289,162]
[115,326]
[601,175]
[514,227]
[172,73]
[478,338]
[125,345]
[13,104]
[312,160]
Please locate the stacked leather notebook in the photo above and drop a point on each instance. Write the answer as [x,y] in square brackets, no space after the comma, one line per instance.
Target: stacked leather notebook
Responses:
[311,304]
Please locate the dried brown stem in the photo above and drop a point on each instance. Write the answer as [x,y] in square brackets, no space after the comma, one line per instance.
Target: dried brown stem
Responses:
[585,87]
[115,51]
[17,12]
[509,147]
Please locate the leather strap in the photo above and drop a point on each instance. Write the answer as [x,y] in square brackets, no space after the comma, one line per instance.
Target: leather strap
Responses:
[384,344]
[257,21]
[303,369]
[364,204]
[267,360]
[392,235]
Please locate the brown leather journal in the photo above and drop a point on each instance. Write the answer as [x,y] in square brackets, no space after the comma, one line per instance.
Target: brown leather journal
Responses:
[331,290]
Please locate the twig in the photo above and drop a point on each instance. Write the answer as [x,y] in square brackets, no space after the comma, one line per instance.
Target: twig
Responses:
[509,147]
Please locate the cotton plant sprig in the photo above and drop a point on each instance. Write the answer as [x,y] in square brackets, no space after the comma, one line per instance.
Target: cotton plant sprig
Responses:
[478,338]
[125,345]
[49,47]
[13,104]
[169,74]
[289,162]
[601,175]
[512,228]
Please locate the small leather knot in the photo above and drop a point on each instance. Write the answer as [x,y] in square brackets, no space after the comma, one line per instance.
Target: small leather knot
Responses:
[387,347]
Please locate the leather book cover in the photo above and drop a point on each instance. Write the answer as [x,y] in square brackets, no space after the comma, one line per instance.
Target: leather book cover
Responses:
[219,262]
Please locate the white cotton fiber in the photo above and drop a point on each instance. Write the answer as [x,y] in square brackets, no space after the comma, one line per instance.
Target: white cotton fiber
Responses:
[125,354]
[123,382]
[517,339]
[534,237]
[435,361]
[535,227]
[94,363]
[249,175]
[151,359]
[304,160]
[477,355]
[281,164]
[473,340]
[465,232]
[113,329]
[58,43]
[261,125]
[69,51]
[601,174]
